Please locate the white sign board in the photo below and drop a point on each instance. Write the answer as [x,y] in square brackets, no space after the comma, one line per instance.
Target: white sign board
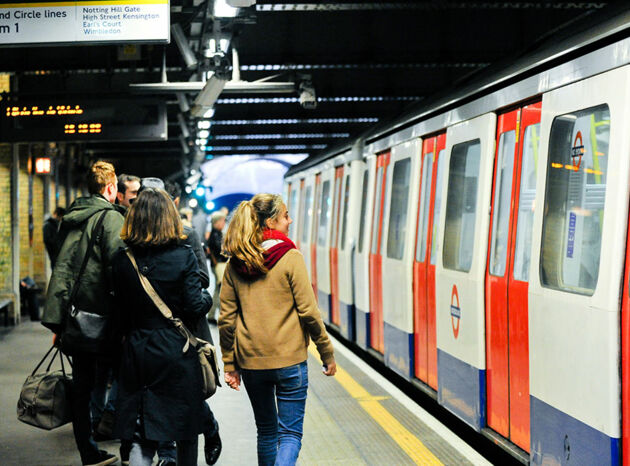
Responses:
[87,21]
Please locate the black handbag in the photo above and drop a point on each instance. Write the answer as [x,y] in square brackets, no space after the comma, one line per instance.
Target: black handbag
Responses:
[85,331]
[45,399]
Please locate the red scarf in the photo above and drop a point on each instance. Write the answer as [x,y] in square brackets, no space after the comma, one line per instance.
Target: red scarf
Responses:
[272,255]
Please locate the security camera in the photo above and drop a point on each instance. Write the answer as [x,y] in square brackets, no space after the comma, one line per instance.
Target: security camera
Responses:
[307,97]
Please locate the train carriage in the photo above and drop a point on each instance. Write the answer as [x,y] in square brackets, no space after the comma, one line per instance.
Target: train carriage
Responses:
[480,245]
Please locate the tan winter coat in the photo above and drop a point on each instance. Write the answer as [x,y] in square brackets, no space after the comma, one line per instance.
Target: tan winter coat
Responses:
[266,321]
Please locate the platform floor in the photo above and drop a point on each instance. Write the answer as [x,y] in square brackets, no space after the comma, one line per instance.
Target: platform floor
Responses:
[355,418]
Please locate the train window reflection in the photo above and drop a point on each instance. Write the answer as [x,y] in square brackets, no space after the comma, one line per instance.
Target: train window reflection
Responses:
[461,205]
[397,228]
[574,200]
[527,196]
[307,214]
[436,206]
[502,202]
[377,210]
[344,221]
[425,200]
[292,208]
[324,213]
[363,210]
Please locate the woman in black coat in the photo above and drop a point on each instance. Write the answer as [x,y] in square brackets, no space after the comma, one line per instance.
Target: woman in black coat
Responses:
[160,387]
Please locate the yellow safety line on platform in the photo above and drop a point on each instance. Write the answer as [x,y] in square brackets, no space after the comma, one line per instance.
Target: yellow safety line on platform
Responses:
[92,3]
[408,442]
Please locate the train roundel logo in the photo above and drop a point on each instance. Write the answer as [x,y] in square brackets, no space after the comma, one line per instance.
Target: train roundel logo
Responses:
[456,312]
[577,151]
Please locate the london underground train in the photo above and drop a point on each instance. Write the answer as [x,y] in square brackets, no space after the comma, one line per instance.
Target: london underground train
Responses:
[479,247]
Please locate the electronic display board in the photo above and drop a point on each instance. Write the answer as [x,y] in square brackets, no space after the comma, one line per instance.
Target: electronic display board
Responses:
[83,120]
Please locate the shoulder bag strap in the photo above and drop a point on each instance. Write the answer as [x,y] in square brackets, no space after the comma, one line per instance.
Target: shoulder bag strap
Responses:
[161,305]
[95,234]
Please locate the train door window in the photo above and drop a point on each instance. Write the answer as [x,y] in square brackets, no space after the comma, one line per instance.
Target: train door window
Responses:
[461,205]
[377,210]
[336,204]
[324,213]
[574,200]
[307,214]
[527,196]
[502,203]
[293,200]
[398,209]
[364,197]
[436,205]
[423,227]
[344,221]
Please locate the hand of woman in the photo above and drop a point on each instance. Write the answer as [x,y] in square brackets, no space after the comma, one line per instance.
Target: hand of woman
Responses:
[331,369]
[233,379]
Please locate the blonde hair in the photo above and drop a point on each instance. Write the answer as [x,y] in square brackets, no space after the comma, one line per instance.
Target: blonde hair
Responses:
[100,175]
[152,220]
[244,236]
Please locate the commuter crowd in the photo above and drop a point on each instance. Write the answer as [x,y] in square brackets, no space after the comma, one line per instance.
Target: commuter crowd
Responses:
[130,272]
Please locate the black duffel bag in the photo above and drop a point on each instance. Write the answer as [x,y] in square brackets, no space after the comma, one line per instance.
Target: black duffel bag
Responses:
[46,399]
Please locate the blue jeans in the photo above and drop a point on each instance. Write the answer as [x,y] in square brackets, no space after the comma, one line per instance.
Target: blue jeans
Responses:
[278,398]
[143,451]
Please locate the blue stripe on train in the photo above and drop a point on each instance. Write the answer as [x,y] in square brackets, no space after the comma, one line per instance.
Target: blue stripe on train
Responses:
[462,389]
[323,300]
[557,438]
[346,320]
[362,328]
[399,350]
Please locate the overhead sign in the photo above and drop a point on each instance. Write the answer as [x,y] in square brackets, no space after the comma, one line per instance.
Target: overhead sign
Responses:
[57,22]
[83,120]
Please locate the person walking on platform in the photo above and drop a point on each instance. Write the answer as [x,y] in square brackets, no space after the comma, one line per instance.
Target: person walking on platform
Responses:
[268,313]
[90,237]
[50,231]
[217,259]
[160,396]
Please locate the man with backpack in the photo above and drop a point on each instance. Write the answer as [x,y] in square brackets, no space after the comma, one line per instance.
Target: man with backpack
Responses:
[79,306]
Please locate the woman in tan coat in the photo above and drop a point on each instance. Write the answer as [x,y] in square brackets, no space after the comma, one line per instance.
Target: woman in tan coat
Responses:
[268,314]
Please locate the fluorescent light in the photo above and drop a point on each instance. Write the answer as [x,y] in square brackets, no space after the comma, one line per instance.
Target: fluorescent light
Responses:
[209,113]
[200,191]
[209,205]
[223,10]
[203,134]
[203,124]
[193,203]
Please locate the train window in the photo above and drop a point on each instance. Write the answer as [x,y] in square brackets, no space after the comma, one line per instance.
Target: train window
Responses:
[502,203]
[574,200]
[461,205]
[307,214]
[398,209]
[436,205]
[425,199]
[344,221]
[324,213]
[527,196]
[292,208]
[364,197]
[376,221]
[334,231]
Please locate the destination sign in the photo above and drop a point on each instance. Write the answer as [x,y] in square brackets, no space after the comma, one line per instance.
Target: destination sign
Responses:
[96,120]
[106,21]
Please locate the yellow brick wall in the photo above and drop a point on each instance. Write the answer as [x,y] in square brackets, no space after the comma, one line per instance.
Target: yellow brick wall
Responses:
[38,250]
[6,256]
[26,255]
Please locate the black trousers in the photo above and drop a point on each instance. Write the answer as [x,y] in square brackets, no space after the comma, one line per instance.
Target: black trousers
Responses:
[84,368]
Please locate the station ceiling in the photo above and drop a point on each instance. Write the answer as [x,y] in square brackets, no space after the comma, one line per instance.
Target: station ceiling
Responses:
[366,61]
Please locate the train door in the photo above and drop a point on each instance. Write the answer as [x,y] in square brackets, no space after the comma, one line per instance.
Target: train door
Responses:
[425,256]
[324,227]
[403,179]
[461,266]
[315,228]
[376,258]
[361,270]
[577,268]
[334,245]
[507,273]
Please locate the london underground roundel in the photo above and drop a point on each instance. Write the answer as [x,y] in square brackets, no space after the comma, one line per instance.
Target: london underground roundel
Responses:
[456,312]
